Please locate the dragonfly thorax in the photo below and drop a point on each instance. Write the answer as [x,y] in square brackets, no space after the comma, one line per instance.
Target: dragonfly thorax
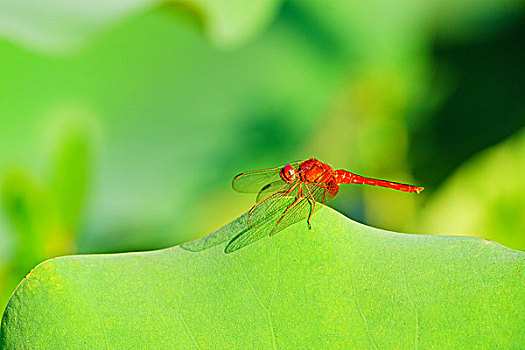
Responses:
[288,174]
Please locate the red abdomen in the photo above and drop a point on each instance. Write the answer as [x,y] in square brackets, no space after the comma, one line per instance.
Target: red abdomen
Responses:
[346,177]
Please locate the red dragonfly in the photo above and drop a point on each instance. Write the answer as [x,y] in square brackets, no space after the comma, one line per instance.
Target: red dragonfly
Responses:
[289,194]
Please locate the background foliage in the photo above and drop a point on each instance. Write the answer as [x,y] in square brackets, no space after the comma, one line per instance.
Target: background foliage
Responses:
[122,123]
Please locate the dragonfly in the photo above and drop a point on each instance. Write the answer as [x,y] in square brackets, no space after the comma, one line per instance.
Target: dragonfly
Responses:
[289,194]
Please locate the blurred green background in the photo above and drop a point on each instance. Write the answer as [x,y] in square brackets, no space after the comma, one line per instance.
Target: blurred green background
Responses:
[122,123]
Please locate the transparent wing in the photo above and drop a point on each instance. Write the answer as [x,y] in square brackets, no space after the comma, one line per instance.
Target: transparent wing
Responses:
[278,211]
[271,207]
[275,213]
[222,235]
[295,212]
[262,220]
[246,238]
[277,187]
[304,207]
[254,181]
[278,208]
[250,227]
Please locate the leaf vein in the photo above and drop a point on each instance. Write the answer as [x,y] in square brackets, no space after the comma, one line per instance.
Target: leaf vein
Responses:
[370,339]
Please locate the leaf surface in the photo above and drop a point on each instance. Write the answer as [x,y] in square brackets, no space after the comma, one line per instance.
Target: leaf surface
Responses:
[339,285]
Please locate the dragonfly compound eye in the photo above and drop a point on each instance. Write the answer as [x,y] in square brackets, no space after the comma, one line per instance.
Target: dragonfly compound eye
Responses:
[288,173]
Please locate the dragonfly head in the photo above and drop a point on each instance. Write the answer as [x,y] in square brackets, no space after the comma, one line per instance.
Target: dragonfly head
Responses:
[288,174]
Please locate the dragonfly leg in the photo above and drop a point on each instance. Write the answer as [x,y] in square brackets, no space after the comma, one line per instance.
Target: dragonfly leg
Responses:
[324,192]
[312,207]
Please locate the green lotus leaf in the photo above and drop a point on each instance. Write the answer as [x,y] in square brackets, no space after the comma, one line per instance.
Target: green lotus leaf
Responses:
[339,285]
